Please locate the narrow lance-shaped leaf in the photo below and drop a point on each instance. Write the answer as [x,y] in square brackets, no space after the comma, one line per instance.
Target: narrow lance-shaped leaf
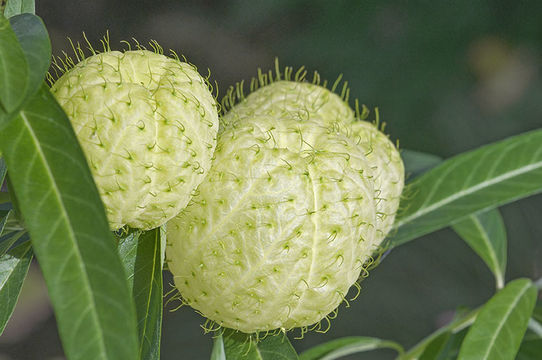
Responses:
[218,352]
[16,7]
[454,328]
[4,203]
[4,196]
[4,200]
[13,71]
[141,255]
[34,41]
[486,235]
[436,347]
[471,182]
[338,348]
[13,202]
[240,346]
[483,232]
[497,332]
[3,171]
[449,350]
[10,234]
[70,233]
[13,269]
[9,239]
[417,162]
[537,312]
[3,222]
[530,350]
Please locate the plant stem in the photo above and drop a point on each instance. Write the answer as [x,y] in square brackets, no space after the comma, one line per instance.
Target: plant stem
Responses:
[535,327]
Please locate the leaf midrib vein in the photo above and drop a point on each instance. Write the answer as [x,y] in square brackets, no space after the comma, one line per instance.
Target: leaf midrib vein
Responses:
[468,191]
[13,270]
[146,318]
[504,318]
[71,233]
[489,246]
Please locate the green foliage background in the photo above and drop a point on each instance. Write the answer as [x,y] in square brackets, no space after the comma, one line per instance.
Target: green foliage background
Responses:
[447,77]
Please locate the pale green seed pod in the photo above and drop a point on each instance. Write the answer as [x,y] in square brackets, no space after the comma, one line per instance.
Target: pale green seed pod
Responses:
[387,169]
[287,217]
[295,100]
[147,124]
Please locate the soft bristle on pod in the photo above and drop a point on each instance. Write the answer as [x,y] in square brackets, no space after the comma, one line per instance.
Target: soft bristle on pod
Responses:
[236,93]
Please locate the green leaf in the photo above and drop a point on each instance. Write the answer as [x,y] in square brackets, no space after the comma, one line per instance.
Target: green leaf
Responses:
[14,203]
[9,239]
[8,234]
[4,199]
[241,346]
[127,248]
[70,233]
[446,351]
[537,313]
[497,331]
[436,347]
[13,71]
[335,349]
[530,350]
[25,55]
[140,253]
[13,269]
[455,328]
[36,46]
[417,162]
[4,196]
[486,235]
[16,7]
[3,171]
[471,182]
[218,352]
[3,222]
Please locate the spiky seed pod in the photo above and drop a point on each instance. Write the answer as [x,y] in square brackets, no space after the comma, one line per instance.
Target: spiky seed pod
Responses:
[287,217]
[147,124]
[301,100]
[387,169]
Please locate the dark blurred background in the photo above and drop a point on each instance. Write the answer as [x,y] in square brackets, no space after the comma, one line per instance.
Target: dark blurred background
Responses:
[448,76]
